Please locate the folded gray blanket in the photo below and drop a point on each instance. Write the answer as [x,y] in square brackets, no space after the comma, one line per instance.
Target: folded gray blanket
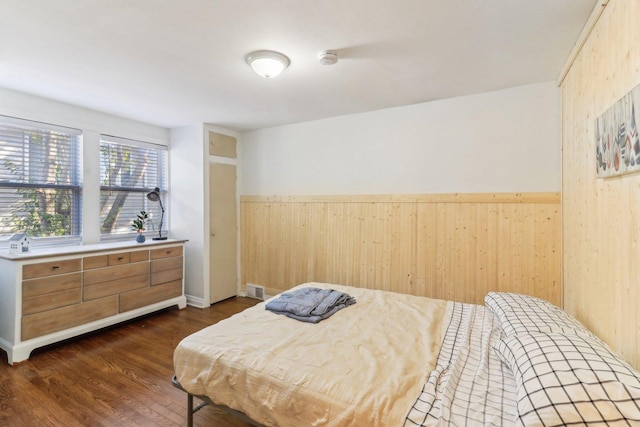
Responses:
[310,304]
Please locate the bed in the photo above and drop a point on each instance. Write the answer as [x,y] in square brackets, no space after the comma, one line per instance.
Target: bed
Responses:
[399,360]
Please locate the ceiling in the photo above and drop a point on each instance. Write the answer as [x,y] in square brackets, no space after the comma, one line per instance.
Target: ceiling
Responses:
[181,62]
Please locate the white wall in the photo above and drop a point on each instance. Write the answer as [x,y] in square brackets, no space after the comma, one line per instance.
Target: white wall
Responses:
[92,123]
[188,207]
[503,141]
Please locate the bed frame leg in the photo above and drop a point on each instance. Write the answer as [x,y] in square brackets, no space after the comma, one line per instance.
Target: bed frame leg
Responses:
[189,410]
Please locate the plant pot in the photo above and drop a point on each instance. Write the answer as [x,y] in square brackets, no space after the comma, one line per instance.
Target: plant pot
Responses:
[140,238]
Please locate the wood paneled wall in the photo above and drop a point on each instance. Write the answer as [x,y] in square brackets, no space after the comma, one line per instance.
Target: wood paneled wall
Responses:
[601,217]
[456,246]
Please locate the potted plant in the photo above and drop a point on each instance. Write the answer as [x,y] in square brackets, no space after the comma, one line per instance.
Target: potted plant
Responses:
[138,225]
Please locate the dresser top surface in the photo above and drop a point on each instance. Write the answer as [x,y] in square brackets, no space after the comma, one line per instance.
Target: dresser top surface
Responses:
[64,250]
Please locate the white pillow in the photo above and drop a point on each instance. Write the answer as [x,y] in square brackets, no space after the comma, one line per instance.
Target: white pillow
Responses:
[520,314]
[570,379]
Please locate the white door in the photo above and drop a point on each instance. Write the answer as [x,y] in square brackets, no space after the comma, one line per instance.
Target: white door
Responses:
[223,242]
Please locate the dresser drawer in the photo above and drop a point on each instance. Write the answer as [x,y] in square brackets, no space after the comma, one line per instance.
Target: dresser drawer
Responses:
[91,262]
[119,258]
[166,276]
[139,256]
[166,252]
[35,325]
[43,269]
[50,301]
[114,287]
[100,275]
[146,296]
[35,287]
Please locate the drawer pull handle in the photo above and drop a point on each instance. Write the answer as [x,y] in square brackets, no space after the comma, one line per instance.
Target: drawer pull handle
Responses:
[120,258]
[168,252]
[55,267]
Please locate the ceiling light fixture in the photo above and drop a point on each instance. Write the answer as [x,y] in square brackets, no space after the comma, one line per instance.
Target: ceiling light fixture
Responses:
[267,63]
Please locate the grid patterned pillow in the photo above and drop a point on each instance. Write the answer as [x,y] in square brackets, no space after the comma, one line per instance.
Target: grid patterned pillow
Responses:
[520,314]
[569,379]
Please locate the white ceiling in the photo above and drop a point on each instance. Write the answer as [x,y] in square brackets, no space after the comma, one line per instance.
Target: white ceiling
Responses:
[181,62]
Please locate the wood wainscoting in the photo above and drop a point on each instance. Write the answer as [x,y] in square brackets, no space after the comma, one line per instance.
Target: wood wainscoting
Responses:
[449,246]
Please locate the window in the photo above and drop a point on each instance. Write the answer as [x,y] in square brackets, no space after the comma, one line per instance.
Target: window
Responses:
[40,179]
[128,171]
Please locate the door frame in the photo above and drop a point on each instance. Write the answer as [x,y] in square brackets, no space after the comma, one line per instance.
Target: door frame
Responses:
[206,296]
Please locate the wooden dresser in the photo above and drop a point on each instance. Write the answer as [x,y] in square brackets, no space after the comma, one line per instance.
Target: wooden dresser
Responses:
[53,294]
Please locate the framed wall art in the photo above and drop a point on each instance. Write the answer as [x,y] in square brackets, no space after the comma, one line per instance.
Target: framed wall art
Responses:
[617,142]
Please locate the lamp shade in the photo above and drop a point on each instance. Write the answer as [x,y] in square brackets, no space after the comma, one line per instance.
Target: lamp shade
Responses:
[267,63]
[154,195]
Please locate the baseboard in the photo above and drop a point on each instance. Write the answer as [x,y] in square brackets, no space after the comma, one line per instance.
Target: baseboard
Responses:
[244,294]
[196,302]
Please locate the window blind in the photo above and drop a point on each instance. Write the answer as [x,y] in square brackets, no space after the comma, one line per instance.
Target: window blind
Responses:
[128,171]
[40,179]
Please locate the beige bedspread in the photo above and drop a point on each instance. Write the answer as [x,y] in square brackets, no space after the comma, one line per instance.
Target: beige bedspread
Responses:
[364,366]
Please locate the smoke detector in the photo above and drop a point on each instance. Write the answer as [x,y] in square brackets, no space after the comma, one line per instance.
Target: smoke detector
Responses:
[328,57]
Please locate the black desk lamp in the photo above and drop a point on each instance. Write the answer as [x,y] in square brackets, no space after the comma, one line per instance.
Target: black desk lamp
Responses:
[154,196]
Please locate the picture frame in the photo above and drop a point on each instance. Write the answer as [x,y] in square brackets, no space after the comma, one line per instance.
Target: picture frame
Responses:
[617,140]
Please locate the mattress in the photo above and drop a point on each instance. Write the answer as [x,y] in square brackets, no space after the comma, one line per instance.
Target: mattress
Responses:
[363,366]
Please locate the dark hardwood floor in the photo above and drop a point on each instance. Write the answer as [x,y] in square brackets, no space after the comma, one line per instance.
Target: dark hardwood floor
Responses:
[120,376]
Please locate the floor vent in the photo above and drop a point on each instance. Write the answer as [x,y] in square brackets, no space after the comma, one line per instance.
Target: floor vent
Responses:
[255,291]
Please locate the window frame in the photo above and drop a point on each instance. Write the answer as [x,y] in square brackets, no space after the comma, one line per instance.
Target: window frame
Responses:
[75,171]
[162,168]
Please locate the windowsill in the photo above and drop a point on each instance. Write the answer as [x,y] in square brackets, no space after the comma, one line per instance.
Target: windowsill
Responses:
[112,238]
[50,251]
